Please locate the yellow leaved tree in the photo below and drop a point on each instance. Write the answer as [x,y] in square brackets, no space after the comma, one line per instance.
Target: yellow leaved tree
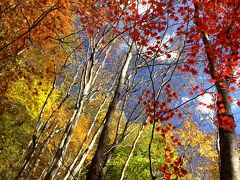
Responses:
[200,150]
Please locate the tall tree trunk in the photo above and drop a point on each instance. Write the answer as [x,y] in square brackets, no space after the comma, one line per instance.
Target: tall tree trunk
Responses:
[229,165]
[110,152]
[93,171]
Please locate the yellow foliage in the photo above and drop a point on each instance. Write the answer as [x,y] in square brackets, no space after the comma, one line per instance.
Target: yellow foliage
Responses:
[32,95]
[192,136]
[200,143]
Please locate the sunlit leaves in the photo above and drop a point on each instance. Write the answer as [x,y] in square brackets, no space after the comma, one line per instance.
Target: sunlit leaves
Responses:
[33,51]
[195,143]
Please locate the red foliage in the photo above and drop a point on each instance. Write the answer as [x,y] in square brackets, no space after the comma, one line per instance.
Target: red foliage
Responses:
[238,103]
[217,20]
[158,113]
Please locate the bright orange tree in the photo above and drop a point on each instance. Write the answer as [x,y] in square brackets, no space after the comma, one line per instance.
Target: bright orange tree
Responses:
[25,24]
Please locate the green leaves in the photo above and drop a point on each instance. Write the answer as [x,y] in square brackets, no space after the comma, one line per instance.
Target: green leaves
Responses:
[16,128]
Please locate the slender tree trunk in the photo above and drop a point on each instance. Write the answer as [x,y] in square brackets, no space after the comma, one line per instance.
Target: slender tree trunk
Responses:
[93,171]
[33,144]
[131,153]
[58,158]
[109,155]
[63,145]
[42,149]
[106,162]
[229,166]
[77,166]
[80,158]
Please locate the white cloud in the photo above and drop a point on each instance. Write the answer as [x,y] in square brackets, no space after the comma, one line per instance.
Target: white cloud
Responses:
[206,99]
[142,8]
[184,99]
[235,107]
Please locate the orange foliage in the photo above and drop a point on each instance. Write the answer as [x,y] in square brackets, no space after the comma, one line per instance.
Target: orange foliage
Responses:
[27,23]
[32,22]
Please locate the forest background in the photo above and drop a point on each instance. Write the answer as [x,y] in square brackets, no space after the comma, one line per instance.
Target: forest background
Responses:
[122,89]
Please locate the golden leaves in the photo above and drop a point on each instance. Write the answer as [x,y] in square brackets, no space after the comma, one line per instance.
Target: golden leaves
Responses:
[197,143]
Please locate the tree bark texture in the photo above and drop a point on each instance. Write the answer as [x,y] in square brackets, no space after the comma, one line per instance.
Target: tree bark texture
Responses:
[59,155]
[94,169]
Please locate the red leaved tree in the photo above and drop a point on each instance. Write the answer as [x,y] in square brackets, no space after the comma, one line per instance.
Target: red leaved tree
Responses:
[214,35]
